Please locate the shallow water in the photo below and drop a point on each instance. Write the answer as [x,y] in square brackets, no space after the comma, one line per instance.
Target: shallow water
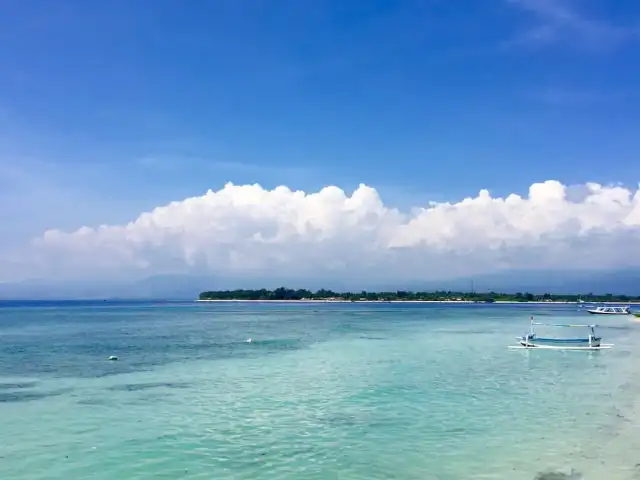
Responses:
[322,391]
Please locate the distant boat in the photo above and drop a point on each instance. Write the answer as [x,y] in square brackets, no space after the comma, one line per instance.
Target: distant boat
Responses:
[590,342]
[610,311]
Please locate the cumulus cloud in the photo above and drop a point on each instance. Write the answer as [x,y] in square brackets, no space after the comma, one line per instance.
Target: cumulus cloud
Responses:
[248,230]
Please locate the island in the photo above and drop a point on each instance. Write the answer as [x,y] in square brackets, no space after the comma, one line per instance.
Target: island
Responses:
[302,295]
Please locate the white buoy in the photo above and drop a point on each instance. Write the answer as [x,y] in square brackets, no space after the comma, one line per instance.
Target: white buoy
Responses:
[113,357]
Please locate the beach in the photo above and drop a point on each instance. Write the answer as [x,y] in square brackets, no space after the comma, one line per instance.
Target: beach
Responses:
[500,302]
[249,390]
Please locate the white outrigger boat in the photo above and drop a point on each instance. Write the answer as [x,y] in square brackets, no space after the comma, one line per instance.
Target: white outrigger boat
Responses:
[532,340]
[605,310]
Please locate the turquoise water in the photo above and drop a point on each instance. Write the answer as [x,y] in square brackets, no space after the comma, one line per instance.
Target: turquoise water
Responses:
[323,391]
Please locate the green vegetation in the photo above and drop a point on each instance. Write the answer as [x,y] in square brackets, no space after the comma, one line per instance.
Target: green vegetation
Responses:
[302,294]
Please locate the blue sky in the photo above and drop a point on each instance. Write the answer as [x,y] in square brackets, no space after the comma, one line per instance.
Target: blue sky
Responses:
[108,109]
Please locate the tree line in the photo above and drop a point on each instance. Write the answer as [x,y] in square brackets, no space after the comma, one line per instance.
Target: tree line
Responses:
[283,293]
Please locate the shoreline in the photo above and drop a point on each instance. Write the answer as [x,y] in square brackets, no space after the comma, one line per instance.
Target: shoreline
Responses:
[471,302]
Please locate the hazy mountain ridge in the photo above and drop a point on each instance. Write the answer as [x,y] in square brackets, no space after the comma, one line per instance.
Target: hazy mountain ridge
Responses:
[188,287]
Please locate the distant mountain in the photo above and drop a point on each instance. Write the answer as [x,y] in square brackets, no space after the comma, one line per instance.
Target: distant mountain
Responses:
[173,287]
[48,290]
[169,287]
[187,287]
[623,282]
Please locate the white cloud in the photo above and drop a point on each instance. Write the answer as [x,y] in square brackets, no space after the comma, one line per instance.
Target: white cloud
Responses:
[247,230]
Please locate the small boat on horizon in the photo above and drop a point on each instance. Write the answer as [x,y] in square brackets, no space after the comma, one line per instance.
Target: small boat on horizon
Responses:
[607,310]
[532,340]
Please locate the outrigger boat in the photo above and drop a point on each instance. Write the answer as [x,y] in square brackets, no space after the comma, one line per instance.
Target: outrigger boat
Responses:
[604,310]
[532,340]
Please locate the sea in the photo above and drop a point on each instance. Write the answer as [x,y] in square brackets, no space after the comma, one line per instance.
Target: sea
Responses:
[311,391]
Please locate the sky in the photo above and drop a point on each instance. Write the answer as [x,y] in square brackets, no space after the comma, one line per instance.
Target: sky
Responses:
[383,116]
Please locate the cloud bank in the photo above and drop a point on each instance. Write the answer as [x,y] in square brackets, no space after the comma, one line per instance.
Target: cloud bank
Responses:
[247,231]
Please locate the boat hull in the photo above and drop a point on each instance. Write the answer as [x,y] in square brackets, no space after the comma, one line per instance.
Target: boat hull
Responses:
[593,312]
[533,341]
[609,311]
[559,342]
[603,346]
